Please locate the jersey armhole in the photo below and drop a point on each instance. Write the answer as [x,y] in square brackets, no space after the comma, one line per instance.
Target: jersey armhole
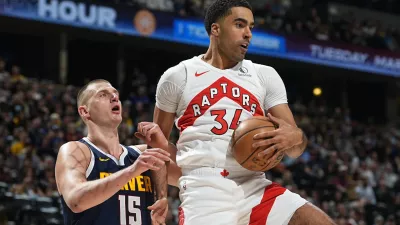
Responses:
[91,164]
[90,167]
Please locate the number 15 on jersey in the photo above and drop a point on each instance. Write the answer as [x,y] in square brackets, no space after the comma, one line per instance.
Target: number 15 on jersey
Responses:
[134,213]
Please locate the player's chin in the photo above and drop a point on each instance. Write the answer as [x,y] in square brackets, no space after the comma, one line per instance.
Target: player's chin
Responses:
[116,118]
[239,57]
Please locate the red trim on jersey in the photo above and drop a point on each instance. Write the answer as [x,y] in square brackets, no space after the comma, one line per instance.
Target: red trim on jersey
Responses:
[188,118]
[181,216]
[259,214]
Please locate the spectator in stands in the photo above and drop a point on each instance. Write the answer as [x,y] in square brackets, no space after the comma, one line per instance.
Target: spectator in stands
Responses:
[179,7]
[16,75]
[298,29]
[3,73]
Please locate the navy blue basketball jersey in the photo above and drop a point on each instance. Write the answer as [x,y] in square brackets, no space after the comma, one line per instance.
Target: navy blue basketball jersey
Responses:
[128,206]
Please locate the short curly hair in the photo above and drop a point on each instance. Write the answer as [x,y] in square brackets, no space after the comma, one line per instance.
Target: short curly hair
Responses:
[220,9]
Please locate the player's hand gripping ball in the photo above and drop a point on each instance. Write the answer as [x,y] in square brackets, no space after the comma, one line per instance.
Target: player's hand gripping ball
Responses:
[242,140]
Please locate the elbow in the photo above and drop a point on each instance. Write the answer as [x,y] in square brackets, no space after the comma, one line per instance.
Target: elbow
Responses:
[74,205]
[75,208]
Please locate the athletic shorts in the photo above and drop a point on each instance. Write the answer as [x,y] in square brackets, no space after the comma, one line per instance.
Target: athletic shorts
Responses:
[210,196]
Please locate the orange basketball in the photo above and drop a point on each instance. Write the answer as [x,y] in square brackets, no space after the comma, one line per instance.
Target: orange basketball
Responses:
[242,140]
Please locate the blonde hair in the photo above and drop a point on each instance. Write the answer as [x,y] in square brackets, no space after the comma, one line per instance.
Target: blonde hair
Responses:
[83,97]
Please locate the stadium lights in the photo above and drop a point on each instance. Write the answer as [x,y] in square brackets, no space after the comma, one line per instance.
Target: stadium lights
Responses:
[317,91]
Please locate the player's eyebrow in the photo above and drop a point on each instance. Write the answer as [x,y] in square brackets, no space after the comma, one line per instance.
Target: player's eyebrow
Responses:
[243,21]
[106,90]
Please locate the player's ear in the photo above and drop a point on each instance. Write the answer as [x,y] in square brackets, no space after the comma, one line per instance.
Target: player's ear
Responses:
[83,111]
[215,29]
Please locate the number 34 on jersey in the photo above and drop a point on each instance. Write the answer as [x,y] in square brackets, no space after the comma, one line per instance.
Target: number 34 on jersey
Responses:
[216,96]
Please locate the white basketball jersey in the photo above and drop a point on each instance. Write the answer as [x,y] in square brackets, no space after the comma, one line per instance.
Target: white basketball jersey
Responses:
[211,105]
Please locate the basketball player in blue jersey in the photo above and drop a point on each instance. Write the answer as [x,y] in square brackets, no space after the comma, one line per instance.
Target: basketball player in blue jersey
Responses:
[102,182]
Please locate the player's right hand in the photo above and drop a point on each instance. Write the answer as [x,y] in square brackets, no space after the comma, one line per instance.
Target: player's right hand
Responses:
[151,159]
[151,133]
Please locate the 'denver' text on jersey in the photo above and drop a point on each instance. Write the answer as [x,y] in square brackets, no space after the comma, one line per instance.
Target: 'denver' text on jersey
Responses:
[129,205]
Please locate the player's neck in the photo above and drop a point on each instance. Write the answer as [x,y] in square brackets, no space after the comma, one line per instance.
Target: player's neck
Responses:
[106,139]
[215,58]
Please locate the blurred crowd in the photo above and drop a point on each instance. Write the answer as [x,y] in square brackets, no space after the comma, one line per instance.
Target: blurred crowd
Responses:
[304,18]
[349,169]
[346,28]
[388,6]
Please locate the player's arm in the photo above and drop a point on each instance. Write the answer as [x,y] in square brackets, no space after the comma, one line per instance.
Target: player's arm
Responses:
[288,138]
[169,92]
[79,194]
[165,121]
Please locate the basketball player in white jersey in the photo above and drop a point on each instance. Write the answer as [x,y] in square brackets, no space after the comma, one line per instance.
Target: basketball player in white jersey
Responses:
[208,96]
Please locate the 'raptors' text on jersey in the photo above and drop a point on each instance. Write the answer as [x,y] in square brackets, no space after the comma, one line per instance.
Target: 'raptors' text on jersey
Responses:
[209,103]
[210,97]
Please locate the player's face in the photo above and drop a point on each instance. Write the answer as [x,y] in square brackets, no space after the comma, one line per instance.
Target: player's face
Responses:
[104,106]
[235,34]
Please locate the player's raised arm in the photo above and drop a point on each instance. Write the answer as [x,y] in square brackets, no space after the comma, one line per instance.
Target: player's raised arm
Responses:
[169,92]
[78,193]
[165,121]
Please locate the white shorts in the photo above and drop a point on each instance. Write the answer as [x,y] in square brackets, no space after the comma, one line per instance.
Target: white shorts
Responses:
[209,198]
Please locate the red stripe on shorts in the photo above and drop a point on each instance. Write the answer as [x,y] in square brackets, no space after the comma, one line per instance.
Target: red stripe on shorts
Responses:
[259,213]
[181,216]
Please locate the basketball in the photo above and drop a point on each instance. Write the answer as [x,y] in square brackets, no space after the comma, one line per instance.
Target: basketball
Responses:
[242,140]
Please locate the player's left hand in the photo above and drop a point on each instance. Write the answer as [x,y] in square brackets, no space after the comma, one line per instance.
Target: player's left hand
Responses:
[159,211]
[279,140]
[151,133]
